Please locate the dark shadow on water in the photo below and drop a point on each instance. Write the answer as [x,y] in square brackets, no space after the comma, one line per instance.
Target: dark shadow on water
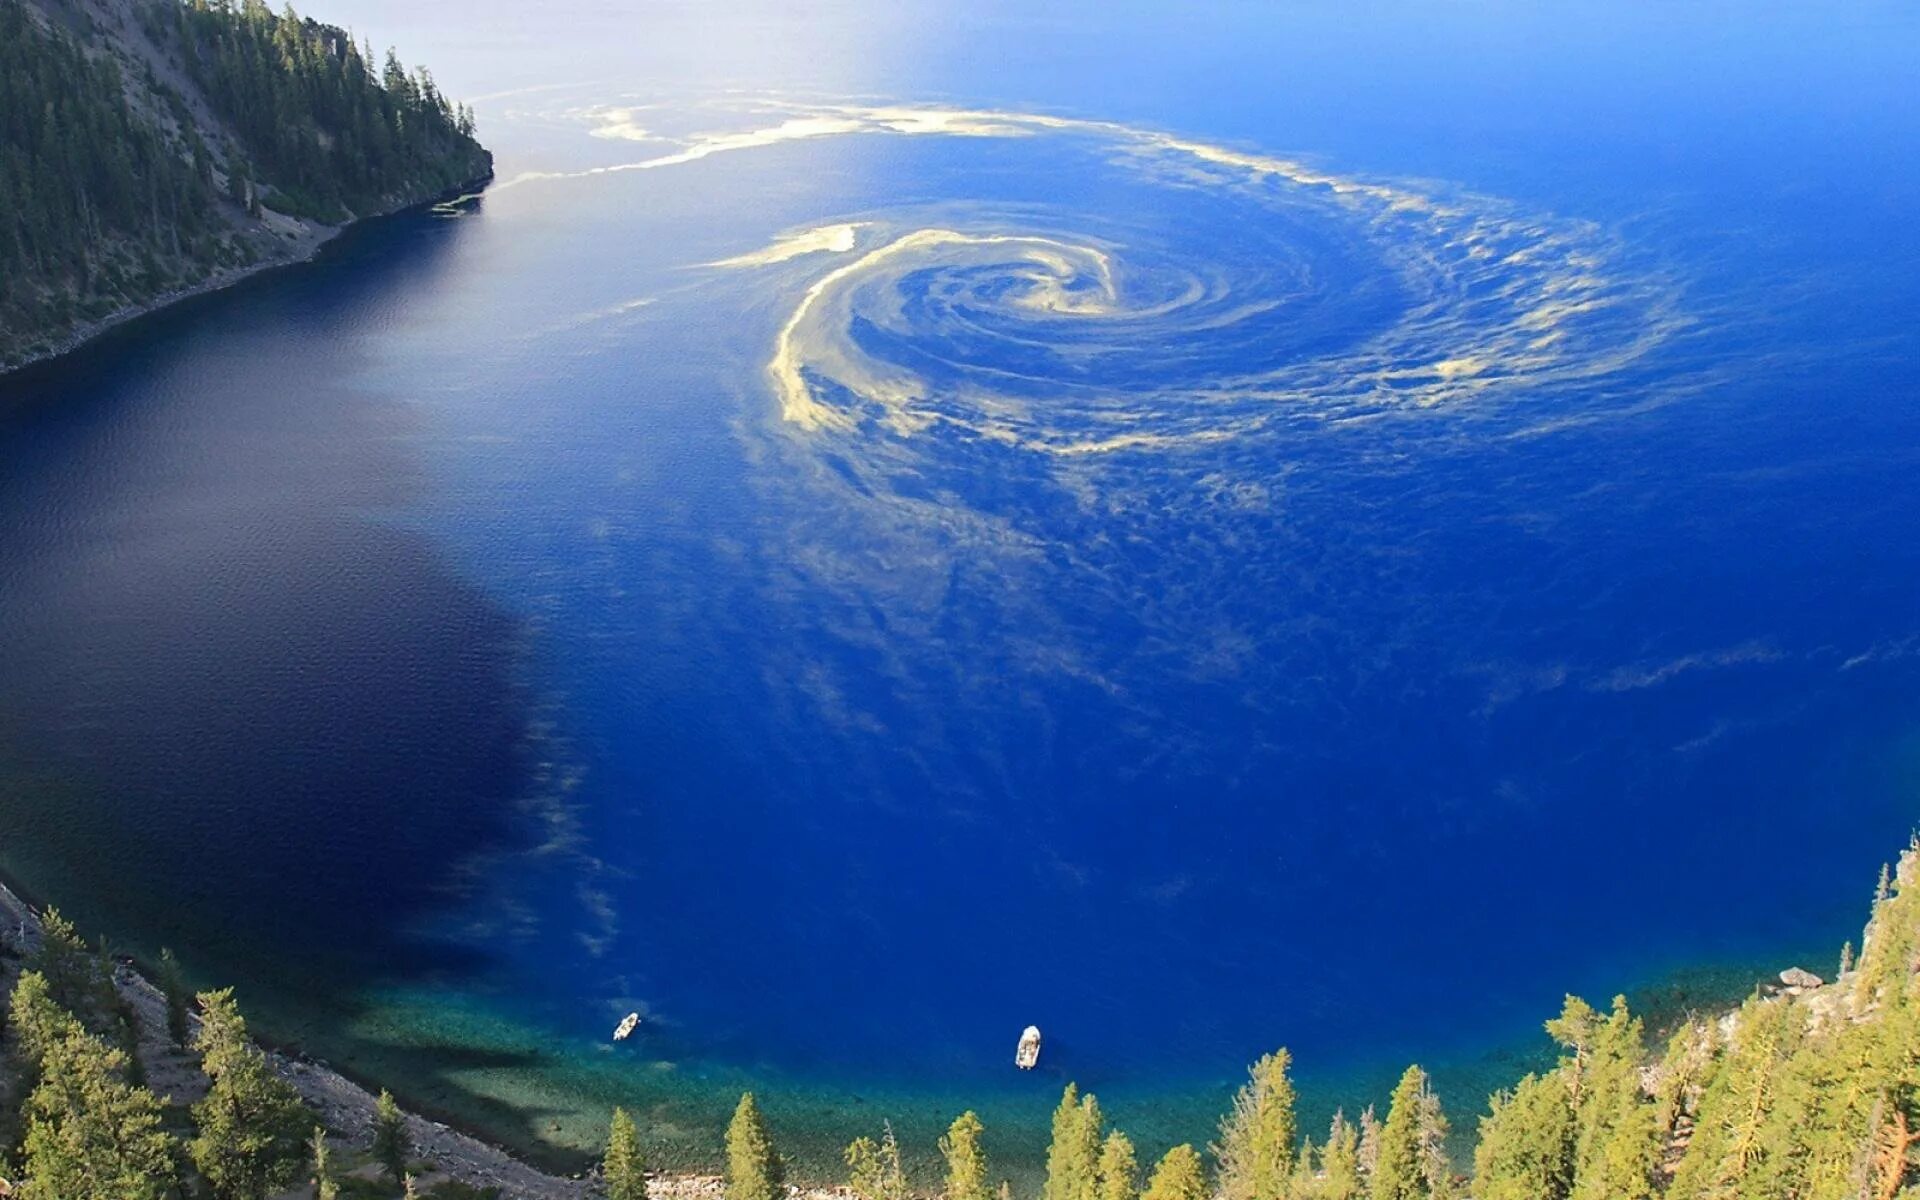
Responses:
[242,713]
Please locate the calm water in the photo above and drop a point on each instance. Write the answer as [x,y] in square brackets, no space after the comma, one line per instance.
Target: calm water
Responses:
[1271,527]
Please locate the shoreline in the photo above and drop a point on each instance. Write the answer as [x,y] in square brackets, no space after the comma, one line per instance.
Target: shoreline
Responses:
[343,1105]
[306,240]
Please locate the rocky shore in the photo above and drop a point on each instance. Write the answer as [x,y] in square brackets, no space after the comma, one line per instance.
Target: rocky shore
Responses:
[343,1106]
[296,241]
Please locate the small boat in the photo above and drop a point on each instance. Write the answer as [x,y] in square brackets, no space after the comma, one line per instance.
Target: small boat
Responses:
[625,1028]
[1027,1053]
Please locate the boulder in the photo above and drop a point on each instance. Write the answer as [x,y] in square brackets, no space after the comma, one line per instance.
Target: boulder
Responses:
[1794,977]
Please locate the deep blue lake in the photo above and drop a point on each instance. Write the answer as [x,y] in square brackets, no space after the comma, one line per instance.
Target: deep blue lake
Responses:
[1266,525]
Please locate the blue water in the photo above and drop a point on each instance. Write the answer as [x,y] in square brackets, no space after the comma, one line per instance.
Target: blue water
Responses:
[1280,526]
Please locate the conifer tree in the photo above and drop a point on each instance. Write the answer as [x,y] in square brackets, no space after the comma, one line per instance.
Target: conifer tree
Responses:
[754,1170]
[1405,1170]
[966,1161]
[1435,1161]
[1737,1100]
[325,1186]
[1303,1182]
[624,1168]
[1073,1155]
[252,1130]
[1618,1131]
[1526,1148]
[1119,1169]
[875,1171]
[391,1141]
[1368,1155]
[91,1135]
[1179,1175]
[77,977]
[173,985]
[1340,1177]
[35,1022]
[1256,1146]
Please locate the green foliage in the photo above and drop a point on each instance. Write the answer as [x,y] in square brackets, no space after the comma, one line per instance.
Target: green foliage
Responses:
[874,1168]
[173,985]
[1527,1143]
[1619,1134]
[1179,1175]
[624,1168]
[754,1169]
[391,1141]
[252,1131]
[35,1023]
[1119,1169]
[1073,1155]
[91,1134]
[1412,1162]
[110,196]
[966,1161]
[325,1186]
[78,979]
[317,120]
[1339,1177]
[1255,1152]
[87,185]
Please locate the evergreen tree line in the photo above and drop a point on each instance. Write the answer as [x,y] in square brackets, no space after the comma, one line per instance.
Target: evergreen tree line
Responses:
[111,194]
[1809,1095]
[85,1125]
[96,203]
[332,135]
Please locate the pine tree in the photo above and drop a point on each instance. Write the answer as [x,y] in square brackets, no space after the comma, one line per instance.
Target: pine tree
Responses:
[1255,1150]
[325,1186]
[754,1170]
[78,979]
[173,985]
[966,1161]
[1340,1176]
[1119,1170]
[1368,1155]
[391,1142]
[91,1135]
[875,1171]
[1405,1170]
[1736,1103]
[1073,1154]
[1303,1182]
[624,1168]
[1179,1175]
[1435,1161]
[252,1130]
[1618,1131]
[35,1023]
[1527,1140]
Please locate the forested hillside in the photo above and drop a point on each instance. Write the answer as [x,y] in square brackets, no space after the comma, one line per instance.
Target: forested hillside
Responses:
[151,146]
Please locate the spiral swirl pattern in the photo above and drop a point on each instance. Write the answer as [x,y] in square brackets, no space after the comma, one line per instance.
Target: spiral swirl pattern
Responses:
[1263,291]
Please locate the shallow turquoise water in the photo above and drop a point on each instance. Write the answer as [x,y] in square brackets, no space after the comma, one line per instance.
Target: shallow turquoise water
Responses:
[1270,528]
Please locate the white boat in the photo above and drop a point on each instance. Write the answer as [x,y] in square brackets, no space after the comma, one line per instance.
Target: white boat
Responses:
[1027,1053]
[625,1028]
